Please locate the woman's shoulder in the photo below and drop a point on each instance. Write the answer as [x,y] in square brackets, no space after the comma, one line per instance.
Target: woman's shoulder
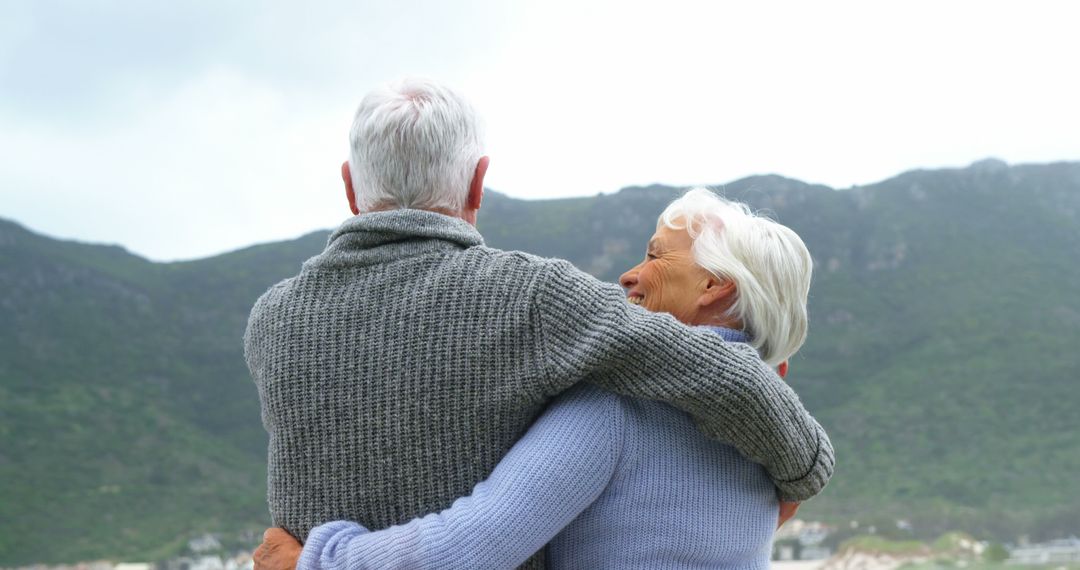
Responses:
[587,397]
[593,410]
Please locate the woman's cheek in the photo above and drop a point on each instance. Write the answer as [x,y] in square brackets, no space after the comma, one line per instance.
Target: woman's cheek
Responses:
[654,296]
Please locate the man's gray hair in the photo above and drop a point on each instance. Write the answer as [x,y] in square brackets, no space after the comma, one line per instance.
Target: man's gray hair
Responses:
[414,144]
[767,261]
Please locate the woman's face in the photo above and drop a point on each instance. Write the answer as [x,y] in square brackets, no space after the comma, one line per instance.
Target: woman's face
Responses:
[668,280]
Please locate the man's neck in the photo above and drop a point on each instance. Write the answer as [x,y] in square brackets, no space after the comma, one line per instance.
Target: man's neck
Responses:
[467,215]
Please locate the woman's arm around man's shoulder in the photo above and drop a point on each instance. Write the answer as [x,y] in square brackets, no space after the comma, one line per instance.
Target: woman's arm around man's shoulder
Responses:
[554,472]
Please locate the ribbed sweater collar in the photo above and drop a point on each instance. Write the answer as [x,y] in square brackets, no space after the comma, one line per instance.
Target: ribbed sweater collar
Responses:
[380,237]
[378,228]
[730,335]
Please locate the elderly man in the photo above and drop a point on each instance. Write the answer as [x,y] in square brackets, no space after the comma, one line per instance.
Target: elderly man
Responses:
[405,360]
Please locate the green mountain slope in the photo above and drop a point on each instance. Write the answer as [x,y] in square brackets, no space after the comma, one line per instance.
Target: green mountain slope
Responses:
[943,359]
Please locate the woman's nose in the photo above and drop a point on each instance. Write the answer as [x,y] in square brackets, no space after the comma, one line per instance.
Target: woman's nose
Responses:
[629,279]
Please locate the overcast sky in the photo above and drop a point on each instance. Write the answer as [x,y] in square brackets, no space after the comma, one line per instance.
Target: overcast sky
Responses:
[184,129]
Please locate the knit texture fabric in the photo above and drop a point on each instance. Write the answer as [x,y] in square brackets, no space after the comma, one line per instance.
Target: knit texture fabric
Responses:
[676,501]
[626,483]
[405,360]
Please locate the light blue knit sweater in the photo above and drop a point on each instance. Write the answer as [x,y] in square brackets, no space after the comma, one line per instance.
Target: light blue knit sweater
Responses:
[610,481]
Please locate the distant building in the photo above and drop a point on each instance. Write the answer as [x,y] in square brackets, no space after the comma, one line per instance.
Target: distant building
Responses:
[800,540]
[208,563]
[134,566]
[1053,552]
[204,543]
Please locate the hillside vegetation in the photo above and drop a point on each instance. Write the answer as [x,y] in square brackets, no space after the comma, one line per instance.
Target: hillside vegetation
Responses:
[943,359]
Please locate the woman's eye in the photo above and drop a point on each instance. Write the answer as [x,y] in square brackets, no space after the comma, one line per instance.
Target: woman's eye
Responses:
[650,256]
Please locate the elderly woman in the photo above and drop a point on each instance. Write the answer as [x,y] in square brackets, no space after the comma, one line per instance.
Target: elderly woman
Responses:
[609,481]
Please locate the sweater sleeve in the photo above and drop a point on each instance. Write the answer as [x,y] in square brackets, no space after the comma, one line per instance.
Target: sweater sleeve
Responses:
[554,472]
[590,332]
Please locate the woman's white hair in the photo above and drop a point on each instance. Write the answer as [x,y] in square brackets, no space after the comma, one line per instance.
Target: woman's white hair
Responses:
[414,144]
[768,263]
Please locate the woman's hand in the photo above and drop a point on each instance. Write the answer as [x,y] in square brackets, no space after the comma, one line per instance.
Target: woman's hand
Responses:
[278,551]
[787,510]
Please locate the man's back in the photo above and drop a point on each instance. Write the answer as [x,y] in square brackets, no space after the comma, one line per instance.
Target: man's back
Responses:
[402,363]
[394,371]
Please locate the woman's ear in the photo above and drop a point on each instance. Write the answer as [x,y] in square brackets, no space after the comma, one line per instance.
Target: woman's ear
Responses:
[717,294]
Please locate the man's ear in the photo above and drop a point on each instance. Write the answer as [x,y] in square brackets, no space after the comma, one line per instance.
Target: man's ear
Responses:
[718,294]
[476,187]
[346,176]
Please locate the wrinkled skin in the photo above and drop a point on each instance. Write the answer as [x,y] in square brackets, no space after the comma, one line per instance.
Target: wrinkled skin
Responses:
[278,551]
[670,281]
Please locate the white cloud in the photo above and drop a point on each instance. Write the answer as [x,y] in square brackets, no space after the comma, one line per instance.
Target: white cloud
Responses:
[237,140]
[222,163]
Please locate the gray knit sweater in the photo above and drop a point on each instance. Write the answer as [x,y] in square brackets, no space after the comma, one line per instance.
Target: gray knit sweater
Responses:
[404,361]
